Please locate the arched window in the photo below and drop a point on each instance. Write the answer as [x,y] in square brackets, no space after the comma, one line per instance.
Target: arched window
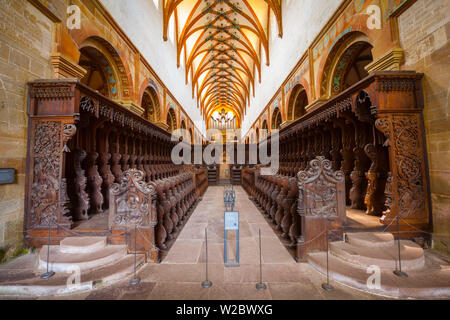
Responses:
[276,119]
[100,74]
[106,71]
[150,103]
[265,130]
[171,120]
[298,102]
[346,64]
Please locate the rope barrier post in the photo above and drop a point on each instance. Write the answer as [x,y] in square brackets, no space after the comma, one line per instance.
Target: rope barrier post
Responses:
[398,272]
[48,274]
[206,284]
[327,286]
[260,286]
[135,281]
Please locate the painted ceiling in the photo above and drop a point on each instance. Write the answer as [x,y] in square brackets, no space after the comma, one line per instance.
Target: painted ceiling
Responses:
[220,42]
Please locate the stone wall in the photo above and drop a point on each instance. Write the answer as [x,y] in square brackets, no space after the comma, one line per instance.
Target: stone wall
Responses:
[25,46]
[424,34]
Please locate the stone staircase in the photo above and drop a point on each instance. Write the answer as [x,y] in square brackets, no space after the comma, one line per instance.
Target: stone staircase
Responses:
[99,264]
[350,260]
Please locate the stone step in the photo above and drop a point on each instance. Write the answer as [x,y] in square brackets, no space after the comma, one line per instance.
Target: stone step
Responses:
[27,283]
[370,239]
[82,244]
[427,283]
[385,257]
[65,262]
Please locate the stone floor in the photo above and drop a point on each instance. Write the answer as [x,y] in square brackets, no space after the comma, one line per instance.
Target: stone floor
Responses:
[180,274]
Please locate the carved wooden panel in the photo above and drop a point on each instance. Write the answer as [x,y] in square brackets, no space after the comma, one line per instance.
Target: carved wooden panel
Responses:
[321,205]
[46,184]
[406,149]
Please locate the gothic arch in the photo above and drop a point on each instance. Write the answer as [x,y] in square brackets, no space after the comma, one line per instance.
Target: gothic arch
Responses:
[345,64]
[150,103]
[98,52]
[297,102]
[171,120]
[265,130]
[277,119]
[192,136]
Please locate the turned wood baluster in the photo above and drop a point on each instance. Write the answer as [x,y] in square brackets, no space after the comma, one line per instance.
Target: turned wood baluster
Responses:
[82,201]
[279,215]
[318,141]
[116,167]
[303,151]
[273,197]
[173,202]
[133,153]
[376,176]
[348,157]
[124,161]
[168,223]
[291,193]
[94,183]
[362,164]
[293,228]
[336,146]
[107,176]
[161,233]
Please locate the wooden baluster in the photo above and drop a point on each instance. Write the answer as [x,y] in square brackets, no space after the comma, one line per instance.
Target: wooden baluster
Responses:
[348,157]
[107,176]
[362,164]
[376,176]
[82,201]
[94,183]
[161,233]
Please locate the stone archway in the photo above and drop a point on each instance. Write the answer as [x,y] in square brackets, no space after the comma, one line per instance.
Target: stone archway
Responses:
[106,72]
[346,64]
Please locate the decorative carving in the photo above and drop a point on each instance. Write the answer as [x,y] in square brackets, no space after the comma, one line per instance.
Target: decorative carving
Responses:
[94,183]
[319,194]
[376,179]
[82,206]
[321,201]
[410,177]
[107,176]
[131,201]
[68,132]
[46,186]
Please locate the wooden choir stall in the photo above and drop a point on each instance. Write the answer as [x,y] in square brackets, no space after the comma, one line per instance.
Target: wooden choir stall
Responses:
[373,133]
[83,146]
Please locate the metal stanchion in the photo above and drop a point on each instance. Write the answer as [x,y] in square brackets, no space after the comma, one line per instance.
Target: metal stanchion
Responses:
[398,272]
[48,274]
[135,280]
[260,286]
[327,286]
[206,284]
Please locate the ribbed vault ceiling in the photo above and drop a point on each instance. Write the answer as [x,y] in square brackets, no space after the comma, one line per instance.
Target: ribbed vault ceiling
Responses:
[221,43]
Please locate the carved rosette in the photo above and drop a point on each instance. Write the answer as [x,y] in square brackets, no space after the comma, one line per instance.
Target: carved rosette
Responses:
[318,189]
[46,160]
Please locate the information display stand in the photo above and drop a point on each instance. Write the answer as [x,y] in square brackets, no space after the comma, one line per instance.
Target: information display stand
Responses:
[231,220]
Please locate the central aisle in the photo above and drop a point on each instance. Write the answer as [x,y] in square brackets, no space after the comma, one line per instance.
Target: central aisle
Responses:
[181,273]
[190,247]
